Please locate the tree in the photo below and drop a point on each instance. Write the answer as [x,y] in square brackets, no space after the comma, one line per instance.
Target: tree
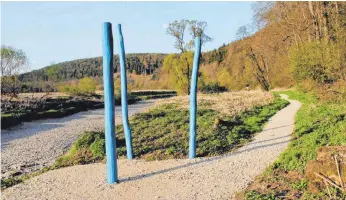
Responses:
[177,30]
[13,62]
[178,71]
[53,72]
[197,29]
[87,85]
[83,87]
[258,61]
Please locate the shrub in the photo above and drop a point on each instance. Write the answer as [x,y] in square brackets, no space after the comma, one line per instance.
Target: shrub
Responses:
[87,85]
[318,61]
[212,88]
[84,87]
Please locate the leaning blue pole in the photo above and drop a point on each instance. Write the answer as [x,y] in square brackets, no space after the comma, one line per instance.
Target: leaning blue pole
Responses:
[111,154]
[124,108]
[193,99]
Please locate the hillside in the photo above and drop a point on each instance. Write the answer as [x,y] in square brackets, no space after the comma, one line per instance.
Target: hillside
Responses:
[293,45]
[143,63]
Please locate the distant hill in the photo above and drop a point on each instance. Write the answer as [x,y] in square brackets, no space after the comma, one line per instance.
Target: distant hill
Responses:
[141,63]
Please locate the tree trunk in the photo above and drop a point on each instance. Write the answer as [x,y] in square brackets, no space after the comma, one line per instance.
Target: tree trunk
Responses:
[325,22]
[314,20]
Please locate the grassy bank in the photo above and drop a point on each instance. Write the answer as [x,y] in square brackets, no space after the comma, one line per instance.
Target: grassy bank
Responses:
[162,133]
[316,124]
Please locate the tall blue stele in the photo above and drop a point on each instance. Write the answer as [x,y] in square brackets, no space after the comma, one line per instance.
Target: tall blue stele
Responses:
[111,155]
[124,108]
[193,99]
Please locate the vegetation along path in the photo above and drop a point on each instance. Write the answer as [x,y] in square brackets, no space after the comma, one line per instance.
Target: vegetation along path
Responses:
[35,145]
[203,178]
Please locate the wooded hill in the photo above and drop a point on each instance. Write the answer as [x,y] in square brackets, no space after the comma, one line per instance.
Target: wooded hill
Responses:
[295,43]
[145,63]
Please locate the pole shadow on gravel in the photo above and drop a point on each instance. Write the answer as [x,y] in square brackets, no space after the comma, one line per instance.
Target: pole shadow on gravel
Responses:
[206,160]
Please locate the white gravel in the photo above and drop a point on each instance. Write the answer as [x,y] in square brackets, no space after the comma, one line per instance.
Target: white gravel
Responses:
[206,178]
[34,145]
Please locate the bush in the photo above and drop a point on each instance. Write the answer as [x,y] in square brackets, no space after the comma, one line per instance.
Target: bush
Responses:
[84,87]
[89,147]
[87,85]
[213,88]
[318,61]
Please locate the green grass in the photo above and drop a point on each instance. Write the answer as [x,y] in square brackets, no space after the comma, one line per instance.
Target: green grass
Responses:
[11,181]
[162,133]
[316,124]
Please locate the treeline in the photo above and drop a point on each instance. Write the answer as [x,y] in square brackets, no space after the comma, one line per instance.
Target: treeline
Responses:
[295,43]
[92,67]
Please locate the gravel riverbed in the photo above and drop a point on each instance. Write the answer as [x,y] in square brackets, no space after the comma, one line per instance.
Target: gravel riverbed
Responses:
[33,145]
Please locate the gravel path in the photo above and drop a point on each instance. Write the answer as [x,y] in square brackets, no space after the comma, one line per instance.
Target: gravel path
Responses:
[34,145]
[206,178]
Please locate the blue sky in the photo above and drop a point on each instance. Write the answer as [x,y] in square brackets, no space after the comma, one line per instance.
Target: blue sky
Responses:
[60,31]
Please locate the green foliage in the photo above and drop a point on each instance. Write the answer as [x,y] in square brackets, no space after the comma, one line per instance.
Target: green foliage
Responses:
[179,68]
[13,63]
[84,87]
[8,182]
[300,185]
[87,85]
[162,133]
[89,147]
[53,72]
[216,55]
[254,195]
[91,67]
[11,181]
[316,60]
[317,124]
[98,148]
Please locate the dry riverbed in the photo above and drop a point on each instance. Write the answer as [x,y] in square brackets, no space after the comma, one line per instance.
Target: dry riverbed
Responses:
[34,145]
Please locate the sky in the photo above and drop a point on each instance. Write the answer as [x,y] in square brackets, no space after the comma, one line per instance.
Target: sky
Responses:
[53,32]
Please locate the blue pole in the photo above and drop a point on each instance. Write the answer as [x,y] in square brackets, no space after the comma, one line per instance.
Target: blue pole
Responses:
[193,99]
[124,108]
[111,154]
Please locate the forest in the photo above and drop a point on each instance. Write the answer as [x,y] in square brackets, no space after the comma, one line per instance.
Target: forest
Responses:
[139,64]
[297,43]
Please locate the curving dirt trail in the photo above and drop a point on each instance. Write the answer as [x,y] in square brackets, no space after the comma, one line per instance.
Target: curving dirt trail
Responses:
[205,178]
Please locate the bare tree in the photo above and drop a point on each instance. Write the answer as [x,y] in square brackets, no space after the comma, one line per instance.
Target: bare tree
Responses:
[197,29]
[177,30]
[259,65]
